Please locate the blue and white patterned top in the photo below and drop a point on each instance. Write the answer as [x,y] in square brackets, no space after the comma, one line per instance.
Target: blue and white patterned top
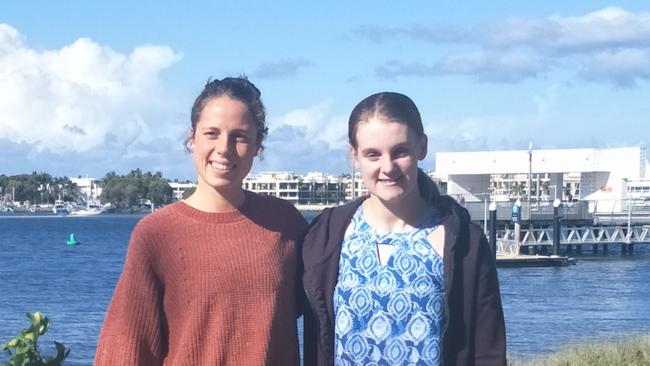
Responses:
[392,313]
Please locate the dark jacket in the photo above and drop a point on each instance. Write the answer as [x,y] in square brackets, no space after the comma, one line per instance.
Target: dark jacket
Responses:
[474,332]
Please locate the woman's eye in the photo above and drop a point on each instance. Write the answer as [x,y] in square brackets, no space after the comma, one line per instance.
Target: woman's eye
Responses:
[211,133]
[241,138]
[400,153]
[372,156]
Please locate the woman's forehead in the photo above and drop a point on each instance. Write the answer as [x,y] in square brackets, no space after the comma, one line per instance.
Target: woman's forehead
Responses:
[382,132]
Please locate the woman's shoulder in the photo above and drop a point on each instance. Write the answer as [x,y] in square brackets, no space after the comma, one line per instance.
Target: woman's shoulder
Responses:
[150,232]
[272,205]
[276,213]
[266,200]
[160,219]
[164,213]
[335,217]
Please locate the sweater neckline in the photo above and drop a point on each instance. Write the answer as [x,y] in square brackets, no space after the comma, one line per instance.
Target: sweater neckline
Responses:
[217,217]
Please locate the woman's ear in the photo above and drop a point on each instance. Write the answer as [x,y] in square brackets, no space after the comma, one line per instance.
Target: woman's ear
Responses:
[423,148]
[189,142]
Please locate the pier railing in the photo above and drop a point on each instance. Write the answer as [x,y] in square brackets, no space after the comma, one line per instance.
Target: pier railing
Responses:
[535,211]
[587,235]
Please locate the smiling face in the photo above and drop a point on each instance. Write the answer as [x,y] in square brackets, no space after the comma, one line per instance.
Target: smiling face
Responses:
[386,154]
[224,144]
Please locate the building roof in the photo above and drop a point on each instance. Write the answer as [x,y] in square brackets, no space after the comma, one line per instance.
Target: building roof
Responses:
[627,161]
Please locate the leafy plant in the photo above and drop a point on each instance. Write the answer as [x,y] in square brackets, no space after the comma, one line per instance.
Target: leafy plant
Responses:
[25,346]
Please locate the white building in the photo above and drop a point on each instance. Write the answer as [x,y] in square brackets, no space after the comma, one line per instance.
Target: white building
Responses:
[359,188]
[311,189]
[599,175]
[279,184]
[89,188]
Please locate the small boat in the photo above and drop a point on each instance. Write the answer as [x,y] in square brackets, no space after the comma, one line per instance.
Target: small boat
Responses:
[86,212]
[90,210]
[60,208]
[72,240]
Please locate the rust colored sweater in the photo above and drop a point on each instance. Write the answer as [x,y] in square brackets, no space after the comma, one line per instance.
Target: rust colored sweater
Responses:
[204,288]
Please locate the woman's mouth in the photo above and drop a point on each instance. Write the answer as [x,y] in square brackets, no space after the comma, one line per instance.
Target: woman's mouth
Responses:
[388,181]
[222,167]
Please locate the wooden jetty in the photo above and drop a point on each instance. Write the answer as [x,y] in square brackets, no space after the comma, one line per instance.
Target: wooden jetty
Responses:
[521,261]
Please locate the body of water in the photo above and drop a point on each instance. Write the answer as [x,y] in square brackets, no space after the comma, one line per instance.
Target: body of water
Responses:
[603,296]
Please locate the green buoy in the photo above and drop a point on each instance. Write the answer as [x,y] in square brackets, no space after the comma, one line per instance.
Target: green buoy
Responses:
[72,240]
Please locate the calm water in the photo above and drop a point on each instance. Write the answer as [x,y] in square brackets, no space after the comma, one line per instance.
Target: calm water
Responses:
[603,296]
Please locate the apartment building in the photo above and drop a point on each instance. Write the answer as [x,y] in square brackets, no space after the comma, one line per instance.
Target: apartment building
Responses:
[310,189]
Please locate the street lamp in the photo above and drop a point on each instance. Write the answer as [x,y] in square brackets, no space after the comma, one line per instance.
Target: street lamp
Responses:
[493,228]
[556,226]
[516,218]
[530,170]
[629,220]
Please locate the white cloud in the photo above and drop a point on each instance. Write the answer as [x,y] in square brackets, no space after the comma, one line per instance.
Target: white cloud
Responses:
[622,67]
[83,96]
[510,66]
[320,123]
[609,45]
[280,69]
[307,139]
[601,29]
[433,34]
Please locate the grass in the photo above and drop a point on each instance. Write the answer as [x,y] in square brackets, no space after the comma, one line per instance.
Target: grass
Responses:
[626,351]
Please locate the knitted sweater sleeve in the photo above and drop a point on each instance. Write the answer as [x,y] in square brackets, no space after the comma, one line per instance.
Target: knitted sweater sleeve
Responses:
[133,331]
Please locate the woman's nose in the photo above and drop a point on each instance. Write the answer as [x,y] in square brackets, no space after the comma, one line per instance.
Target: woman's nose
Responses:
[387,165]
[222,145]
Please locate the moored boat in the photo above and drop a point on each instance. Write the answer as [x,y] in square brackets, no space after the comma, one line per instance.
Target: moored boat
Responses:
[89,210]
[60,208]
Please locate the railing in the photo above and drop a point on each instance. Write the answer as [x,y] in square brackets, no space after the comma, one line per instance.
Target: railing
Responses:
[542,210]
[573,235]
[508,247]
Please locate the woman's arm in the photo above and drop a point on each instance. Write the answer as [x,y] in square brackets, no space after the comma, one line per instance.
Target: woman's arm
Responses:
[132,333]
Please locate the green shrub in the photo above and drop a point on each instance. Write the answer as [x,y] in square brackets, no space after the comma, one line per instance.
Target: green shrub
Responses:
[627,351]
[23,350]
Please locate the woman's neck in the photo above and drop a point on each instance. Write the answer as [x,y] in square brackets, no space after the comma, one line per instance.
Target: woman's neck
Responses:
[208,199]
[400,216]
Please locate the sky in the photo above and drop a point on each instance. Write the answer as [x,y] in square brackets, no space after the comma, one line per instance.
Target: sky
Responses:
[91,87]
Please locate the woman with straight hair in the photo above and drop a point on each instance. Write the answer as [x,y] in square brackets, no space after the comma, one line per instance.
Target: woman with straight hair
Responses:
[211,280]
[401,276]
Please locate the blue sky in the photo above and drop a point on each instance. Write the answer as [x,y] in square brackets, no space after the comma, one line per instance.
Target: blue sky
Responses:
[90,87]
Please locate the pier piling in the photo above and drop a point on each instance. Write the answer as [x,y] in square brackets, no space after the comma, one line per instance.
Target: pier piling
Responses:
[556,228]
[493,228]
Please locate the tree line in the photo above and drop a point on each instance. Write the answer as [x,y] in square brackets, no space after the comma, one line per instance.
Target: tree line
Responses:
[134,188]
[37,188]
[121,191]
